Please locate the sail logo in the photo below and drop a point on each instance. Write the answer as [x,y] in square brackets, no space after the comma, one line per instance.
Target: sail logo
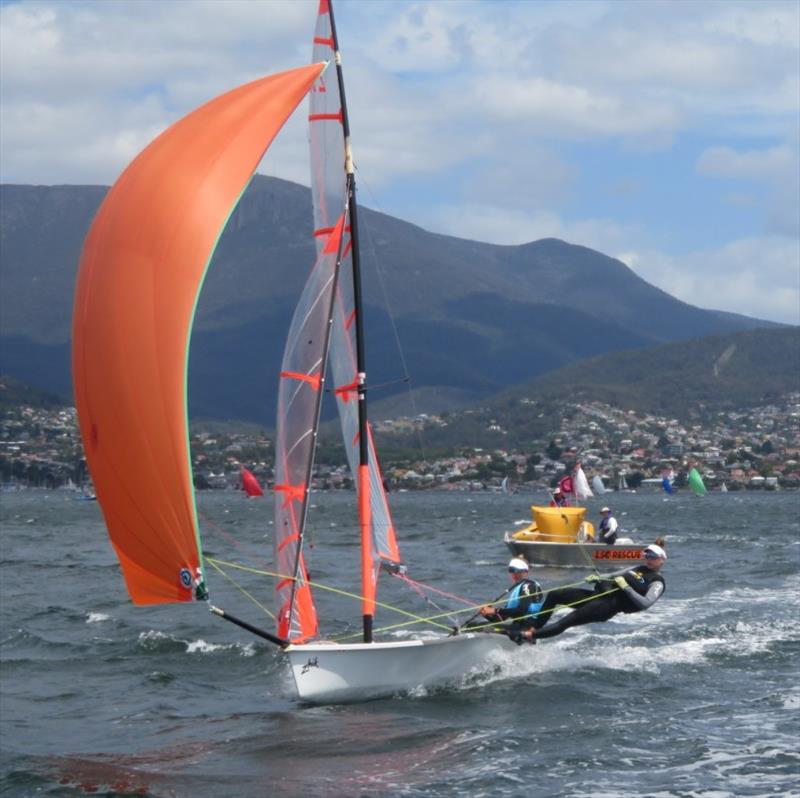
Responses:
[186,578]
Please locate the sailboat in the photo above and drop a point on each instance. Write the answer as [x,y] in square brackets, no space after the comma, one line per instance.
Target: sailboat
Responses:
[250,484]
[696,483]
[329,312]
[140,273]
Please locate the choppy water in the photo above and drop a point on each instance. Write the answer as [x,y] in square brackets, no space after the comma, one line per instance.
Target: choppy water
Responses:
[698,697]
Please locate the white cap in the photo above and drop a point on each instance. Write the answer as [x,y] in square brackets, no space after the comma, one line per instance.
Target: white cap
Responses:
[604,510]
[657,550]
[518,564]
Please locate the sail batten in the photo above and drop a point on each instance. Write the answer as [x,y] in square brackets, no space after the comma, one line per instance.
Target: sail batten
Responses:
[299,406]
[141,269]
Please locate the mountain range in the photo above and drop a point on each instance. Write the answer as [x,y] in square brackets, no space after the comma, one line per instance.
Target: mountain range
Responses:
[471,318]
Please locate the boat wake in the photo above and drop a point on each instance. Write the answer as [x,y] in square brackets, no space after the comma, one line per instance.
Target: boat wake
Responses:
[707,631]
[158,642]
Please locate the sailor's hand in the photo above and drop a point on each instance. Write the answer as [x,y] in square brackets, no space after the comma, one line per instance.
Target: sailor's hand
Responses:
[621,582]
[593,578]
[488,612]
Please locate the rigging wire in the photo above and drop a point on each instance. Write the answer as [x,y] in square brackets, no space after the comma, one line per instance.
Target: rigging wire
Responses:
[433,589]
[536,614]
[249,595]
[432,620]
[390,310]
[328,588]
[419,591]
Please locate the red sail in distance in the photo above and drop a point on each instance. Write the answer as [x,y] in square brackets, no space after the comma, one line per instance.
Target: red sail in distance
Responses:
[250,484]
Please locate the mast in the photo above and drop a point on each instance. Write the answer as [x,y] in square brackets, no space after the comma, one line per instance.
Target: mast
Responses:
[364,510]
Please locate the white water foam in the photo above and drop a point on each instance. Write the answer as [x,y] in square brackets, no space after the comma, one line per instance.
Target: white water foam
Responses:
[97,617]
[197,646]
[203,647]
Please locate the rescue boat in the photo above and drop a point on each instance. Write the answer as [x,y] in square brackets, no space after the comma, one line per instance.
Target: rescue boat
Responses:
[560,537]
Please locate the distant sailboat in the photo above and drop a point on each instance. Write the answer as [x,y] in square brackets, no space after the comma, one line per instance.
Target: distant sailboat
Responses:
[622,484]
[597,485]
[582,489]
[696,483]
[250,484]
[724,488]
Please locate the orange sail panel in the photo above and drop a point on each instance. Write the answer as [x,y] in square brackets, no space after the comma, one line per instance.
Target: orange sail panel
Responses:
[142,266]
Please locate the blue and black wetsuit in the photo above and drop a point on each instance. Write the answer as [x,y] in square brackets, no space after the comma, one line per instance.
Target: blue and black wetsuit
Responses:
[524,601]
[644,589]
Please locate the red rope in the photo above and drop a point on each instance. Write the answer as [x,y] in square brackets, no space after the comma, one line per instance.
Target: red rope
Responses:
[419,585]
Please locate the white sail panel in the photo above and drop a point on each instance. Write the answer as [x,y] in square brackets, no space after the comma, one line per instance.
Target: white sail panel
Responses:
[327,143]
[582,489]
[300,390]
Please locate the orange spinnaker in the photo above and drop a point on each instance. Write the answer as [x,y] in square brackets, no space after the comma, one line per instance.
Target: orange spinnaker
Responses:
[142,266]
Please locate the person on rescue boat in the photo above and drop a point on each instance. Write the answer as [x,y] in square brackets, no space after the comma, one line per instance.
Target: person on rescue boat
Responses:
[633,590]
[607,527]
[524,601]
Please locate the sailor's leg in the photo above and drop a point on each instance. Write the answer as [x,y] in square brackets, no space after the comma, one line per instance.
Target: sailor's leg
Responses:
[565,596]
[592,611]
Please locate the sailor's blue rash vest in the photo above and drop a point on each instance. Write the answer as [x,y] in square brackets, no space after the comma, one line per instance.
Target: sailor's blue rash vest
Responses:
[525,599]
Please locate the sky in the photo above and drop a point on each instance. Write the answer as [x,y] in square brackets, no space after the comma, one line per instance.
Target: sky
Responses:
[665,134]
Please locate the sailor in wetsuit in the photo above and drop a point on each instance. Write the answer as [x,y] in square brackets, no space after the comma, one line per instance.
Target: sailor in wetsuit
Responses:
[633,590]
[523,602]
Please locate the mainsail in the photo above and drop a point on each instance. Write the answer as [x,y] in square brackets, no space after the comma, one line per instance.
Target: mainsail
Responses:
[302,381]
[139,277]
[333,189]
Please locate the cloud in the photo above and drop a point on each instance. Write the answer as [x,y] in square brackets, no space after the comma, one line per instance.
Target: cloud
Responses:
[497,225]
[757,277]
[777,168]
[85,85]
[501,122]
[770,164]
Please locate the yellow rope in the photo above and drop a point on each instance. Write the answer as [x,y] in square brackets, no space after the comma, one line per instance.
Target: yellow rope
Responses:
[432,619]
[237,585]
[553,609]
[318,585]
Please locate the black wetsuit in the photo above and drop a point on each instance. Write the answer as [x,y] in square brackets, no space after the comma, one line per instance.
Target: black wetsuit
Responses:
[646,586]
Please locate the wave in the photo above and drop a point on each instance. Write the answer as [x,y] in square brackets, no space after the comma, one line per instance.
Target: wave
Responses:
[157,642]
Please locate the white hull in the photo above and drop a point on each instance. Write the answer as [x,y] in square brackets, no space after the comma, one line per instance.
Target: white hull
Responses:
[331,672]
